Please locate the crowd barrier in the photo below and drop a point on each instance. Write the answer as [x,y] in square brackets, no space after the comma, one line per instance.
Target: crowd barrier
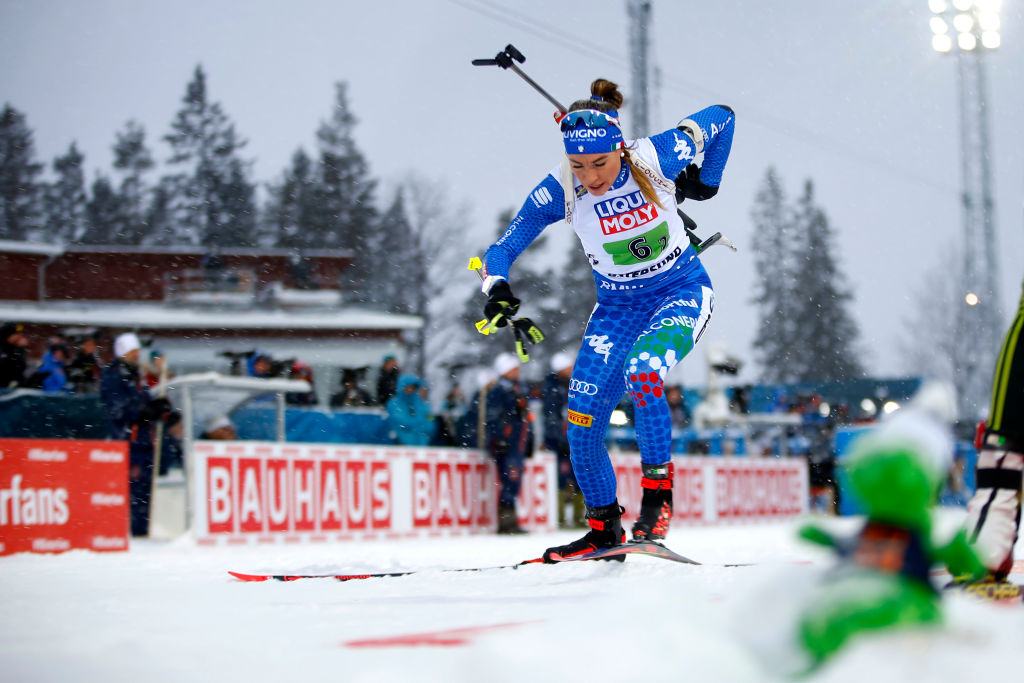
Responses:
[265,492]
[58,495]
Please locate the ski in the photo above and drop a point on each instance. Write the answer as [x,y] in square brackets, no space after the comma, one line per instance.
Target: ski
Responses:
[1003,592]
[243,576]
[645,548]
[639,548]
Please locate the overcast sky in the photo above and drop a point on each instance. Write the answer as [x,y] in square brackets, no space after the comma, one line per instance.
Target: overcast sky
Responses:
[848,94]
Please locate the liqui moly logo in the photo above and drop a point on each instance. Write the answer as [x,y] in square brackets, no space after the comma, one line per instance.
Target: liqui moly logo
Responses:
[625,213]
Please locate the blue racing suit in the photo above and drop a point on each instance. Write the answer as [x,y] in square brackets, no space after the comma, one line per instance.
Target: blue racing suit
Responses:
[654,297]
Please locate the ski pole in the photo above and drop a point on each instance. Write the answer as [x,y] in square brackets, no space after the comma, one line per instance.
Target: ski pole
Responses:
[523,329]
[507,59]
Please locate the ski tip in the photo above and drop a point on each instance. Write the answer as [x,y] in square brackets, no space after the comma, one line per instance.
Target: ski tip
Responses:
[248,577]
[536,560]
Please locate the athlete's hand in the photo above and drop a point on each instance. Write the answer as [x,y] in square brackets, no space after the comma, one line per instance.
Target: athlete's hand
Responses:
[689,186]
[501,305]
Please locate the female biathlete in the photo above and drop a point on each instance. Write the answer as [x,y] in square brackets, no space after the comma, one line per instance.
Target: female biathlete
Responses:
[654,297]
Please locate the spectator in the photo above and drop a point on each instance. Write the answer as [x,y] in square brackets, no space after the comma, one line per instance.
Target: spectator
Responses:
[85,367]
[508,434]
[220,428]
[409,419]
[53,368]
[260,364]
[13,355]
[447,432]
[153,368]
[301,370]
[387,380]
[132,415]
[351,394]
[472,432]
[678,411]
[556,422]
[172,454]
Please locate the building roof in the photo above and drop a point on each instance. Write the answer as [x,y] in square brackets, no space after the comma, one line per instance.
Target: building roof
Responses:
[158,316]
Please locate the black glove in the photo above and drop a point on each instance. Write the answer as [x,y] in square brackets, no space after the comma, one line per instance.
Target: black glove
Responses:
[156,409]
[689,186]
[501,305]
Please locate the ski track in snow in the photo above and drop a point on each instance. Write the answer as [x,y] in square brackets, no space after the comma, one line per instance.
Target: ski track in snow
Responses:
[168,611]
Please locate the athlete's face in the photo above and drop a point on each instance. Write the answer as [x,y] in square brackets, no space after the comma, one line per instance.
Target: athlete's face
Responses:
[597,172]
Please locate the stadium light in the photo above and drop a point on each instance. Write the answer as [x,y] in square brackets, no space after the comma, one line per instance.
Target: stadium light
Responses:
[969,29]
[976,22]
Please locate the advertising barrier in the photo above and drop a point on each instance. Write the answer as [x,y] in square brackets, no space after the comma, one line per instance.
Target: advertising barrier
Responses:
[268,492]
[265,492]
[58,495]
[720,490]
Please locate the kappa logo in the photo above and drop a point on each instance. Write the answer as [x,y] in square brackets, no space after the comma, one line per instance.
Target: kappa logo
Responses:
[581,419]
[601,345]
[683,148]
[541,196]
[585,388]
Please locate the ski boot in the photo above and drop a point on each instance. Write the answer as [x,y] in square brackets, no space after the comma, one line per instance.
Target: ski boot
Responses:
[656,506]
[605,532]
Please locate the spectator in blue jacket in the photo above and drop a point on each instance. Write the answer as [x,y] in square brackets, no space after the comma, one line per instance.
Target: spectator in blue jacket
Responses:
[409,419]
[132,415]
[53,369]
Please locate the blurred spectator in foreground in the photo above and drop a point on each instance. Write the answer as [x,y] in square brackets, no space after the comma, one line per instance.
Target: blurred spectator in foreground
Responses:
[13,355]
[409,419]
[53,368]
[220,428]
[85,367]
[387,380]
[351,394]
[508,434]
[555,409]
[133,414]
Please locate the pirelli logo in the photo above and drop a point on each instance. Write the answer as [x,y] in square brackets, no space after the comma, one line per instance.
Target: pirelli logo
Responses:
[581,419]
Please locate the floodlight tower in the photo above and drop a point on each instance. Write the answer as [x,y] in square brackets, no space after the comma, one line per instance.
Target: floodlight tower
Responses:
[970,28]
[639,12]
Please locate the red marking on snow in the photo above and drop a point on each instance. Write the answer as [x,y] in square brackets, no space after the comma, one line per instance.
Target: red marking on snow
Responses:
[450,638]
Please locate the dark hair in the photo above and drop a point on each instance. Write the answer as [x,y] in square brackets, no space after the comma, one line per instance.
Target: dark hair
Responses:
[609,93]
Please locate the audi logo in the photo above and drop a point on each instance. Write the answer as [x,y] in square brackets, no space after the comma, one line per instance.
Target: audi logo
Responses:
[582,387]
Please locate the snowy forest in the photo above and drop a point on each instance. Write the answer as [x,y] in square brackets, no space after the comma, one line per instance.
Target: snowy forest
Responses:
[201,192]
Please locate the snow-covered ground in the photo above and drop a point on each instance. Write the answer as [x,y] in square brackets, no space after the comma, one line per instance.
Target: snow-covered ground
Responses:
[168,611]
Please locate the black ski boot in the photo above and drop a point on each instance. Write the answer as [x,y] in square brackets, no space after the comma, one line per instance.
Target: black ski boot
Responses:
[656,505]
[605,532]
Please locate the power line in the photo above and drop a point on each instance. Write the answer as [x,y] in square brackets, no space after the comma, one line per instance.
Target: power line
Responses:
[578,45]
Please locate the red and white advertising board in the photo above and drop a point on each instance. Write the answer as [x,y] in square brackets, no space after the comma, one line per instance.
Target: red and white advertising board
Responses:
[257,491]
[718,490]
[58,495]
